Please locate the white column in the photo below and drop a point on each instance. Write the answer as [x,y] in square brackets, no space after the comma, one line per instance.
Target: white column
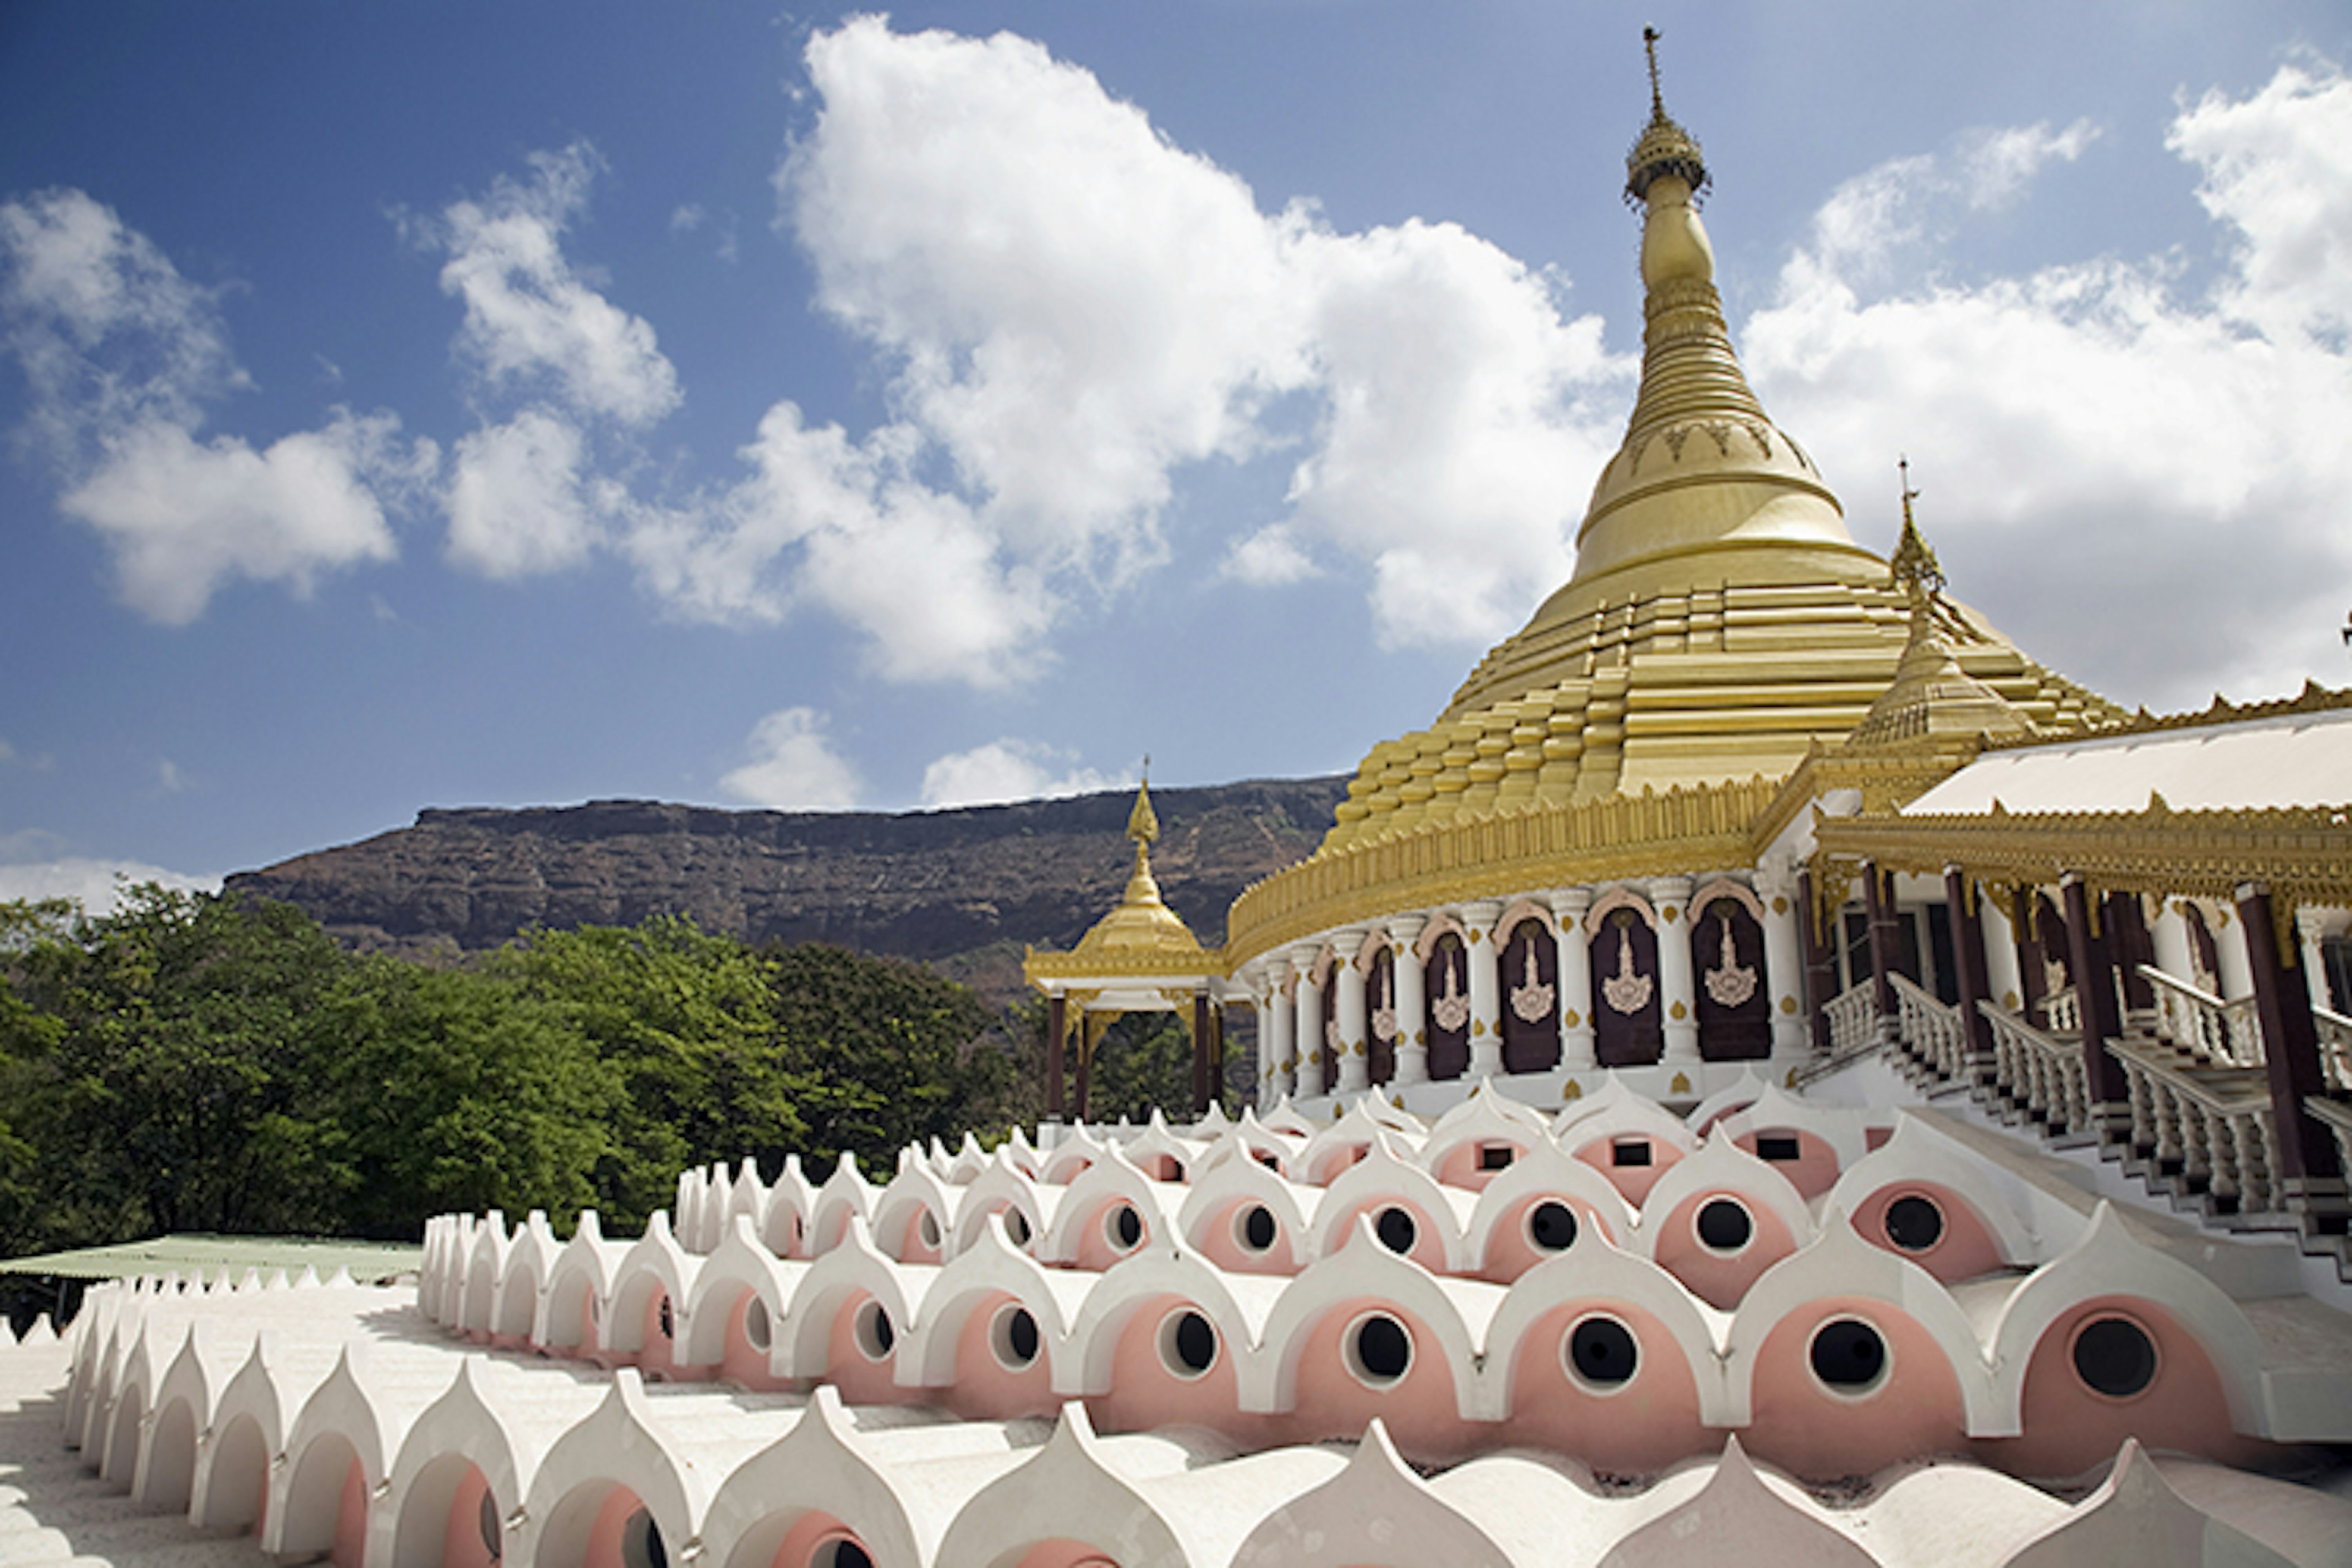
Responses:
[1569,906]
[1281,1043]
[1348,1013]
[1411,1000]
[1486,989]
[2229,939]
[1784,961]
[2001,979]
[2168,934]
[2310,926]
[1309,1027]
[1678,986]
[1262,1015]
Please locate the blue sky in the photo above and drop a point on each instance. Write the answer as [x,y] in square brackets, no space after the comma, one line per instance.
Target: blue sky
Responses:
[442,405]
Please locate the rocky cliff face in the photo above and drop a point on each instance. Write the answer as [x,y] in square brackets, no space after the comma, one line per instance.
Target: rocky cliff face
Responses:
[962,890]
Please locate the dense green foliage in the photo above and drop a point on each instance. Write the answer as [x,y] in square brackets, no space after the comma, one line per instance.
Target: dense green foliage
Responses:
[212,1063]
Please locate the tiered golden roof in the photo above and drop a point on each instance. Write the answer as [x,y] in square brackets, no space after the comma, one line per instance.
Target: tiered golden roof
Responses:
[1721,626]
[1720,621]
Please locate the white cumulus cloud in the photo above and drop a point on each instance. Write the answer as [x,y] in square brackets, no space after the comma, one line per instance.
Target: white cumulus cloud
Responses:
[2149,485]
[793,767]
[1010,770]
[185,516]
[531,320]
[518,500]
[122,356]
[1068,311]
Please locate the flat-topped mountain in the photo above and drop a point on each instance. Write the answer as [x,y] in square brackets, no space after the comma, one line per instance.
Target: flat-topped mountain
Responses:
[962,890]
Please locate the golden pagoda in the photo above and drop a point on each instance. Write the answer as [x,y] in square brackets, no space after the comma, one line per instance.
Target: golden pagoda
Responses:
[1720,618]
[1140,957]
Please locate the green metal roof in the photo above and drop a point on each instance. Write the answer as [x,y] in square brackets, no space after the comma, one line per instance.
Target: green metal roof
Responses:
[369,1262]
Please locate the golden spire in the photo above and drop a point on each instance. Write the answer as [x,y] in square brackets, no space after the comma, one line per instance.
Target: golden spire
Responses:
[1142,921]
[1931,697]
[1664,147]
[1913,565]
[1143,823]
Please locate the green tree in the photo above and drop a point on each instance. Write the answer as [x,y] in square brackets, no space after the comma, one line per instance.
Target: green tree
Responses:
[686,1021]
[171,1051]
[896,1054]
[1144,1060]
[460,1090]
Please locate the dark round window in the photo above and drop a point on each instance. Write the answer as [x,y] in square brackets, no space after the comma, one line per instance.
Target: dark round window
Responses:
[1016,1226]
[1259,1229]
[1012,1335]
[1914,1223]
[875,1332]
[1381,1348]
[1126,1227]
[1724,1224]
[641,1543]
[841,1554]
[1396,1230]
[1848,1354]
[2113,1356]
[1188,1343]
[492,1539]
[1551,1226]
[1602,1352]
[669,1321]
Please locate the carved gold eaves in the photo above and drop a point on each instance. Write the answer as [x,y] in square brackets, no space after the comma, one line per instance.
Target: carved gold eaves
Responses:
[2305,854]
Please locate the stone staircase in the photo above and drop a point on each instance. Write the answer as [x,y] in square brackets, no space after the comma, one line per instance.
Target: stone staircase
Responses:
[2200,1137]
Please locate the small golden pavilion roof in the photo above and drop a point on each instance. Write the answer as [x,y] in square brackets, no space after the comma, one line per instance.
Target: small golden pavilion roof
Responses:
[1141,935]
[1141,923]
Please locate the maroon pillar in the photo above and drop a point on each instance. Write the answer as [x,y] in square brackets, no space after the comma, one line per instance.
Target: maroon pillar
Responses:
[1821,963]
[2025,927]
[2309,1170]
[1085,1065]
[1885,945]
[2091,957]
[1058,1030]
[1200,1052]
[2130,945]
[1975,985]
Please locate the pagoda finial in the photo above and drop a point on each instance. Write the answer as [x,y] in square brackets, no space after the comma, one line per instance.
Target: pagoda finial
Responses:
[1914,564]
[1665,148]
[1143,823]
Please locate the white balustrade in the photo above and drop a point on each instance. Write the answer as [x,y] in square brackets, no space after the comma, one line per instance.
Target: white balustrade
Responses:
[2038,1075]
[1932,1033]
[2335,1049]
[2210,1126]
[1854,1020]
[2225,1034]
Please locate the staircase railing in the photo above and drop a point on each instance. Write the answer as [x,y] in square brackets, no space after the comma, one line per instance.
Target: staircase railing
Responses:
[2335,1049]
[1854,1019]
[2226,1033]
[2038,1076]
[2207,1125]
[1932,1033]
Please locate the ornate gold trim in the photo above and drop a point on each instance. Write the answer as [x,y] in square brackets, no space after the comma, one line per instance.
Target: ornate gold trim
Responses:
[1693,829]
